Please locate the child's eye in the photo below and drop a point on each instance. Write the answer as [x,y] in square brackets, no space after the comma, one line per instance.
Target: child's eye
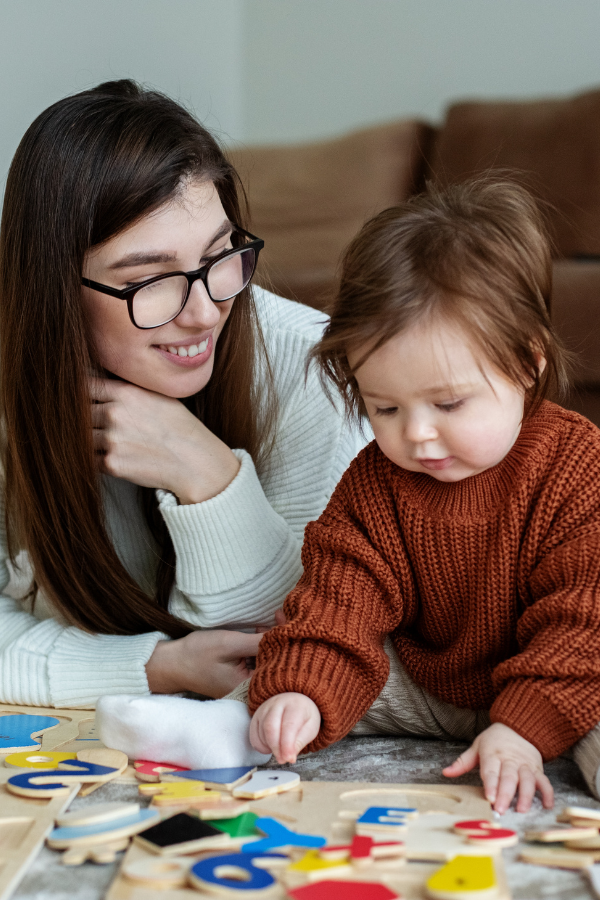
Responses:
[450,407]
[386,411]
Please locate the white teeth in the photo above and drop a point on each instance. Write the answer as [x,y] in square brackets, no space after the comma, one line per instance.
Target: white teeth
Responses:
[192,350]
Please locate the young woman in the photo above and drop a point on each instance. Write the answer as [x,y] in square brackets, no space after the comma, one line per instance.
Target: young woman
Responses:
[163,450]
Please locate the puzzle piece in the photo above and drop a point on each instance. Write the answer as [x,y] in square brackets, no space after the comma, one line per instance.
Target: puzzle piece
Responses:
[179,793]
[182,834]
[158,873]
[235,875]
[277,835]
[343,890]
[363,849]
[482,831]
[222,809]
[220,779]
[102,832]
[98,812]
[464,878]
[18,733]
[315,867]
[265,782]
[39,760]
[238,827]
[54,782]
[555,835]
[147,770]
[102,853]
[384,820]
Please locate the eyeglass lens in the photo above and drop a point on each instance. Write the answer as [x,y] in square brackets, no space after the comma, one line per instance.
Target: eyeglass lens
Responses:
[162,301]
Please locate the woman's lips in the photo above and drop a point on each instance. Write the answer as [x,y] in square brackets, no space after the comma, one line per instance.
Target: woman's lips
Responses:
[187,362]
[437,464]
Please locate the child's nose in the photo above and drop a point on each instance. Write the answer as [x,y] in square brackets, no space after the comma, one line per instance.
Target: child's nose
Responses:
[418,430]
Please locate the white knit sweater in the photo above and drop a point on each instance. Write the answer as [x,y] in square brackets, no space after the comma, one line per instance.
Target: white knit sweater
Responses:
[238,554]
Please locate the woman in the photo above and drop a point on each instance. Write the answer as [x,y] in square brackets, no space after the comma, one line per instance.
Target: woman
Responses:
[186,393]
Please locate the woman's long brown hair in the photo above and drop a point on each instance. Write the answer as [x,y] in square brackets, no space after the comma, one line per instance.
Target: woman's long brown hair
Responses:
[88,167]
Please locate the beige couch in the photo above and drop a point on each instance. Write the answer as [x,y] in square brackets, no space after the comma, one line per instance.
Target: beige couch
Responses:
[307,201]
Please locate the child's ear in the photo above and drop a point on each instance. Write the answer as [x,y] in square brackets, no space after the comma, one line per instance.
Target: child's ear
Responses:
[540,359]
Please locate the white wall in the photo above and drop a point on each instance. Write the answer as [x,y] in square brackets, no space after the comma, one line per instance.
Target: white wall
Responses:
[190,49]
[293,70]
[319,67]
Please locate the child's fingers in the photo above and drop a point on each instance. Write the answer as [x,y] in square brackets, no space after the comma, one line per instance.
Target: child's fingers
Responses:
[465,762]
[527,784]
[293,724]
[265,730]
[546,790]
[507,786]
[490,769]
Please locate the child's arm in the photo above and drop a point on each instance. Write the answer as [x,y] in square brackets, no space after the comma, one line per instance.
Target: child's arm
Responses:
[507,763]
[284,724]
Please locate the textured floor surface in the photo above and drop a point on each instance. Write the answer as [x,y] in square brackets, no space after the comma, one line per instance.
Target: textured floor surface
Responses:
[384,759]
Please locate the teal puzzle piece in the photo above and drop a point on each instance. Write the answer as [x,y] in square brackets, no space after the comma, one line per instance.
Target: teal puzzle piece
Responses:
[17,731]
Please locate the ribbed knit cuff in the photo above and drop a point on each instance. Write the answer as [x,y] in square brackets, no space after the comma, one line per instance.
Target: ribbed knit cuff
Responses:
[227,540]
[83,667]
[332,680]
[522,708]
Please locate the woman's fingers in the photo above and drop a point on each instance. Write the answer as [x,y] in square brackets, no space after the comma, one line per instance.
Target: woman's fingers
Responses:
[238,645]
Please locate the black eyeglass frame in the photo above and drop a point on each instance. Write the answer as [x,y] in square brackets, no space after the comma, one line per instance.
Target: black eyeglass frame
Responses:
[128,293]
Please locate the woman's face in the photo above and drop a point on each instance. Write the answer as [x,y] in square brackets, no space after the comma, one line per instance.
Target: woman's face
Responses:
[175,359]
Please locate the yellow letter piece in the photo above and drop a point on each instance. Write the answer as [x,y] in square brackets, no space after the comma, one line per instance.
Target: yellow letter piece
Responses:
[314,867]
[464,878]
[179,793]
[32,759]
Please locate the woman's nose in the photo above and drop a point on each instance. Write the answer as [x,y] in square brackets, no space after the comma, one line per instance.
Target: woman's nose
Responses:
[199,311]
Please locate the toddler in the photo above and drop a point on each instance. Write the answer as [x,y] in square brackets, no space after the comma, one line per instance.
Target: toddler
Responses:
[451,588]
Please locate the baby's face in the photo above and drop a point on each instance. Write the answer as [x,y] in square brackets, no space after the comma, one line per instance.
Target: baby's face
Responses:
[435,407]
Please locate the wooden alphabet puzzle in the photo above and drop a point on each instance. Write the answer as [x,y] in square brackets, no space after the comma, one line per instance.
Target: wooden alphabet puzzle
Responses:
[347,865]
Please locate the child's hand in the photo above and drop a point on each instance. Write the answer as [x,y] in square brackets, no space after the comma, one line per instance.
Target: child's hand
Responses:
[507,762]
[284,724]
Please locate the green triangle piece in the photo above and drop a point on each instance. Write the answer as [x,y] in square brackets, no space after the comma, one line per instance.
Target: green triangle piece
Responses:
[239,826]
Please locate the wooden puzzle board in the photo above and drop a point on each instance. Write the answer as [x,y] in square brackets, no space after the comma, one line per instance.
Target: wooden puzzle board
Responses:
[24,824]
[313,808]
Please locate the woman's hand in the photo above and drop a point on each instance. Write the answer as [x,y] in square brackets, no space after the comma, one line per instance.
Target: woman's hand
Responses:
[507,763]
[154,441]
[212,663]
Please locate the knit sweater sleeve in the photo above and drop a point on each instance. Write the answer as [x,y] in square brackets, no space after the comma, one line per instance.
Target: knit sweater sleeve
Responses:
[348,599]
[549,692]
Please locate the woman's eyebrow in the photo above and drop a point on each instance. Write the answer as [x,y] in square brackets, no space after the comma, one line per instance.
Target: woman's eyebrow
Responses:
[144,259]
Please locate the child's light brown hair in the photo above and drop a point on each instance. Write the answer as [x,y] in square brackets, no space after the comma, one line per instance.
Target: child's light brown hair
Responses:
[476,254]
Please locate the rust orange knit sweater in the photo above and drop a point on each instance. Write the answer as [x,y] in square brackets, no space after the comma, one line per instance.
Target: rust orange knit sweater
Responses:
[489,587]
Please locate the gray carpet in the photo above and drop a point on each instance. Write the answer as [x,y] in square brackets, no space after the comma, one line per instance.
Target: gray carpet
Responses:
[383,759]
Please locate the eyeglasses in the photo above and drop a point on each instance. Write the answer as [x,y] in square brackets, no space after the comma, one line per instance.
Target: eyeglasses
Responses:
[160,299]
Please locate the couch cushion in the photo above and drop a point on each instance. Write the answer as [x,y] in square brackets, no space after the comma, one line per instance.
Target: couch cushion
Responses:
[308,201]
[554,145]
[575,311]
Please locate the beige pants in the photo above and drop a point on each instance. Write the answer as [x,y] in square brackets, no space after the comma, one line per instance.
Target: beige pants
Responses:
[404,708]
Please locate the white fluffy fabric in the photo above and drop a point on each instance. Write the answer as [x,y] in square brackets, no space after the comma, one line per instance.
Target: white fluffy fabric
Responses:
[198,734]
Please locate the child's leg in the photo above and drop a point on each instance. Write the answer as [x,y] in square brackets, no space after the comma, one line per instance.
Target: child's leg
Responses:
[406,709]
[586,754]
[194,733]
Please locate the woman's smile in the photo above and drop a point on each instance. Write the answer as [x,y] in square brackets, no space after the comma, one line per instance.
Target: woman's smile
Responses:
[189,353]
